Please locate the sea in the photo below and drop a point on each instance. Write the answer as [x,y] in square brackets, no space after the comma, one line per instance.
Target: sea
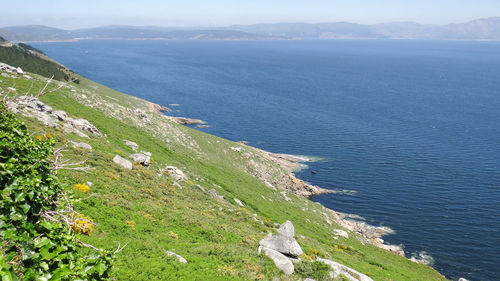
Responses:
[407,131]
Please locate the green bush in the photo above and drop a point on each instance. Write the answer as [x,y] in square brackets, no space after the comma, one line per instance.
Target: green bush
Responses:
[32,246]
[314,269]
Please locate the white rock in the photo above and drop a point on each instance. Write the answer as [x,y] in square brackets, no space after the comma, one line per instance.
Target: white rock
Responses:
[141,158]
[175,173]
[462,279]
[179,258]
[123,162]
[284,242]
[280,260]
[283,193]
[80,145]
[340,232]
[340,269]
[131,144]
[236,149]
[19,70]
[286,229]
[238,202]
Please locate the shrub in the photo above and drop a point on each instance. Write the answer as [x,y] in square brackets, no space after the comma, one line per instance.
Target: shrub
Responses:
[33,246]
[315,270]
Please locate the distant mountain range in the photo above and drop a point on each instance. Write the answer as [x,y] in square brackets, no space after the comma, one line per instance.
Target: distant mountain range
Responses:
[480,29]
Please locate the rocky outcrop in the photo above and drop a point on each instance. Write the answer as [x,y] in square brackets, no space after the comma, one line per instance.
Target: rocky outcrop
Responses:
[281,175]
[179,258]
[142,159]
[185,120]
[34,108]
[285,242]
[122,162]
[282,246]
[368,233]
[340,269]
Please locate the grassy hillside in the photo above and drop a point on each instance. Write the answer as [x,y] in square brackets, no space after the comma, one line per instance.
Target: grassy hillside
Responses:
[153,213]
[34,61]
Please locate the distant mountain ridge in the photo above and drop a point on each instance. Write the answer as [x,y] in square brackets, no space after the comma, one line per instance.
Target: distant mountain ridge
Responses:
[479,29]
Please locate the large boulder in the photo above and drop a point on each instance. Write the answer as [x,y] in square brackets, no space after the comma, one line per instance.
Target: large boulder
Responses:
[285,242]
[281,261]
[144,160]
[340,269]
[122,162]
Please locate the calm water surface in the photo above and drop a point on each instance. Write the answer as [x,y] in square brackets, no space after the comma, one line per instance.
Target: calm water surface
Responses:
[412,126]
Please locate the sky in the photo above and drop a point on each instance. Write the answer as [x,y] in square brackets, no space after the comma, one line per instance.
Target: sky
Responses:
[73,14]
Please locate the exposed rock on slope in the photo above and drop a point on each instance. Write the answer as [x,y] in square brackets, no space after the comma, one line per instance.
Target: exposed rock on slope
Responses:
[34,108]
[280,247]
[340,269]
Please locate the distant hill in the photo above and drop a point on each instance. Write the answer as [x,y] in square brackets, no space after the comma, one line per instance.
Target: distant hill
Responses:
[43,33]
[480,29]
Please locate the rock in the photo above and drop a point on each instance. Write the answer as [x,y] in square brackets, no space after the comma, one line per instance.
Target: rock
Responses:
[10,89]
[5,75]
[61,115]
[144,160]
[89,183]
[19,70]
[131,144]
[287,229]
[236,149]
[280,260]
[186,121]
[393,248]
[80,145]
[284,242]
[27,77]
[238,202]
[179,258]
[342,233]
[309,279]
[270,185]
[214,194]
[422,258]
[340,269]
[122,162]
[462,279]
[283,193]
[175,173]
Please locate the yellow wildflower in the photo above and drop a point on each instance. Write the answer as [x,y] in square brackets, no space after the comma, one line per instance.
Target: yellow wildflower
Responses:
[82,187]
[173,235]
[131,224]
[38,137]
[82,224]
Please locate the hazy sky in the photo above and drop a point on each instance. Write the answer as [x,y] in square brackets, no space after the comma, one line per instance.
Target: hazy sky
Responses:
[89,13]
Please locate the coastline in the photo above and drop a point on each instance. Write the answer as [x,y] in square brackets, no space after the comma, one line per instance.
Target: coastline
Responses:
[292,163]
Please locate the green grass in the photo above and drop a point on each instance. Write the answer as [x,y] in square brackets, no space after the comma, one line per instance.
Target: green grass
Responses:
[218,238]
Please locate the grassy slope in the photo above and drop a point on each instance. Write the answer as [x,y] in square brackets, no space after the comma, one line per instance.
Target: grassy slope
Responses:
[219,239]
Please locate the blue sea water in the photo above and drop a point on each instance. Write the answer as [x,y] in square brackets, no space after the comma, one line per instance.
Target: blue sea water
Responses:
[412,126]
